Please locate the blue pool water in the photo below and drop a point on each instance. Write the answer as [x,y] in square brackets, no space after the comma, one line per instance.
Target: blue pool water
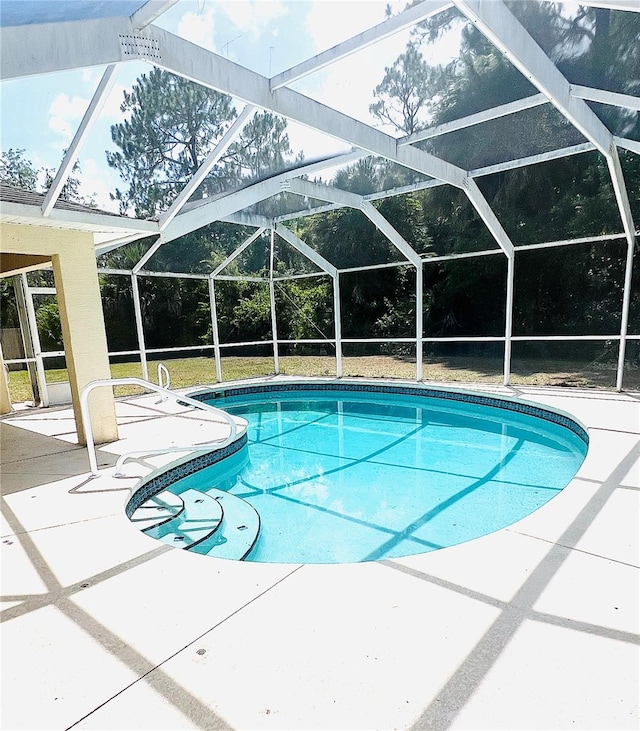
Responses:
[345,477]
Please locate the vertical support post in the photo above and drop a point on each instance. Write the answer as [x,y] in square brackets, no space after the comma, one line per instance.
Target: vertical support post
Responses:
[83,332]
[337,323]
[419,322]
[272,297]
[624,321]
[508,316]
[31,339]
[5,397]
[214,328]
[135,291]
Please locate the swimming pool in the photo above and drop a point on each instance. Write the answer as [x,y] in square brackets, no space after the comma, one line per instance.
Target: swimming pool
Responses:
[353,472]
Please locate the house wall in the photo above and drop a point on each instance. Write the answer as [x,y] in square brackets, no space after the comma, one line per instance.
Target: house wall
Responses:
[85,343]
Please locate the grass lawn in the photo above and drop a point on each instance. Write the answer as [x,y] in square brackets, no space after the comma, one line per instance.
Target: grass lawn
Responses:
[201,371]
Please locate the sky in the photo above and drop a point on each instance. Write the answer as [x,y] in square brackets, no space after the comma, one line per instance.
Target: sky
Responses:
[41,114]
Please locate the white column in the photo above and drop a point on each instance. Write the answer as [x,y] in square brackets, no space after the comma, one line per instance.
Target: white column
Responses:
[272,297]
[139,326]
[624,323]
[508,317]
[214,329]
[419,326]
[337,323]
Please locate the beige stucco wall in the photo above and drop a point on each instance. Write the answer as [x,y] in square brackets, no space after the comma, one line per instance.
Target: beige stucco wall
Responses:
[85,342]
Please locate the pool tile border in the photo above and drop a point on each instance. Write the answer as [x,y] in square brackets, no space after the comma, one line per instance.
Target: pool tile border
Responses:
[517,406]
[161,481]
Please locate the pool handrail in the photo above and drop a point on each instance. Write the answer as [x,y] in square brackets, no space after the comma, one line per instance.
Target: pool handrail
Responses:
[134,381]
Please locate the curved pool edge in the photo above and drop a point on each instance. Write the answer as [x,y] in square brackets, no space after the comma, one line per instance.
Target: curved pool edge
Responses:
[161,478]
[423,390]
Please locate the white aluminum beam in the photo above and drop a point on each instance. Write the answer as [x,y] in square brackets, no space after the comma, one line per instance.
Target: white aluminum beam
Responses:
[494,20]
[396,23]
[381,223]
[33,49]
[533,159]
[478,172]
[220,208]
[216,72]
[214,328]
[345,198]
[631,5]
[149,12]
[237,252]
[90,116]
[508,325]
[606,97]
[503,110]
[489,217]
[248,219]
[137,311]
[116,40]
[148,254]
[212,158]
[304,248]
[632,145]
[620,190]
[272,299]
[223,207]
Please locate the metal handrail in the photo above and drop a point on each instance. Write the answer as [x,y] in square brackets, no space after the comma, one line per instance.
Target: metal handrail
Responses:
[133,381]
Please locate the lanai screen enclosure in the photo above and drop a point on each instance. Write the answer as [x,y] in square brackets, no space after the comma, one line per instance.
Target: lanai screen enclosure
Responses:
[411,139]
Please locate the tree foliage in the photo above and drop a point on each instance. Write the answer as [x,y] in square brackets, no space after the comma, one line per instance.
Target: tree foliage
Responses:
[172,125]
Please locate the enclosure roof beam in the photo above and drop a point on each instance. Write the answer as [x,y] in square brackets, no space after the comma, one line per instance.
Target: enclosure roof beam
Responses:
[248,219]
[605,97]
[148,254]
[396,23]
[630,5]
[212,158]
[220,208]
[476,173]
[207,211]
[90,116]
[44,48]
[61,46]
[486,115]
[306,250]
[496,22]
[345,198]
[502,167]
[209,69]
[237,252]
[632,145]
[149,12]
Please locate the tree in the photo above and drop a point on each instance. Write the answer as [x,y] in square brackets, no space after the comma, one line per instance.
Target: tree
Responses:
[263,146]
[16,170]
[71,189]
[404,96]
[172,126]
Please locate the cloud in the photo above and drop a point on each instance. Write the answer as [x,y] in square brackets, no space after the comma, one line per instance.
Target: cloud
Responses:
[252,16]
[65,114]
[348,84]
[97,182]
[330,23]
[198,28]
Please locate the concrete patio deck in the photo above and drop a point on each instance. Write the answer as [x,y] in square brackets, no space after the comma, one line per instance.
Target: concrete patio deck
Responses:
[532,627]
